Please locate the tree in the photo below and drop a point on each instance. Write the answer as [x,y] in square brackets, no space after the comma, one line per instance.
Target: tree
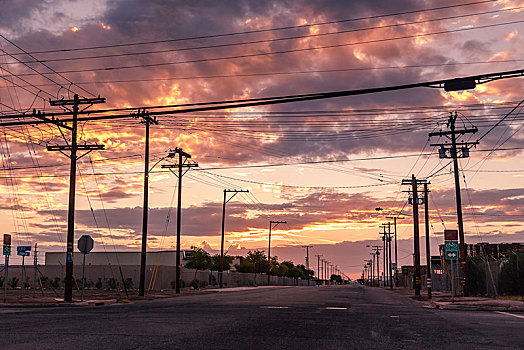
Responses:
[336,278]
[259,259]
[199,260]
[245,266]
[511,278]
[215,262]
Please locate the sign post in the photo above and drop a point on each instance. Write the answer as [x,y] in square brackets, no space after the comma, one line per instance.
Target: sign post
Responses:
[451,249]
[6,252]
[85,244]
[23,251]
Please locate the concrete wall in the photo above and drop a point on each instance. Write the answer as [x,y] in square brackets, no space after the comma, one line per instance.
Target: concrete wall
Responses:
[164,277]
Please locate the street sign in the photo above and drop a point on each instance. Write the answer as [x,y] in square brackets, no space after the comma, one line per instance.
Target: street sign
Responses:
[23,250]
[451,235]
[451,246]
[7,239]
[85,244]
[7,250]
[451,255]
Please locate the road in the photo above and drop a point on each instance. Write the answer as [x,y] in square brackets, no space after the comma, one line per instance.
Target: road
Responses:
[329,317]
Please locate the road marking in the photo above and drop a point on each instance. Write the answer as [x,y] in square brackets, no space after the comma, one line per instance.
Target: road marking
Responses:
[274,307]
[508,314]
[336,308]
[395,316]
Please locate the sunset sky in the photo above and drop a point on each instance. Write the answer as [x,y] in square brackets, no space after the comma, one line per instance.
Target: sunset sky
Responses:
[155,53]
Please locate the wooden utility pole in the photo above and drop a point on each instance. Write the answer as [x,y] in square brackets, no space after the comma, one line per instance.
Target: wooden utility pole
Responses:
[416,233]
[446,151]
[73,149]
[428,250]
[396,249]
[221,267]
[271,222]
[307,261]
[182,159]
[146,120]
[318,266]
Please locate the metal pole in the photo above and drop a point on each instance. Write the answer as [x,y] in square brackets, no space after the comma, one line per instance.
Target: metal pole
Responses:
[178,222]
[220,268]
[452,283]
[145,212]
[68,286]
[22,279]
[35,260]
[6,277]
[84,275]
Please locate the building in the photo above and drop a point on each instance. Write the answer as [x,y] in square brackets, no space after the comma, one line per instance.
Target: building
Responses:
[162,258]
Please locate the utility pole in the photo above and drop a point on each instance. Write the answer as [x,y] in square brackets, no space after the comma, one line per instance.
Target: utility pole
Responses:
[396,249]
[146,120]
[428,250]
[318,266]
[73,149]
[377,265]
[307,261]
[384,257]
[446,151]
[221,267]
[271,222]
[182,159]
[389,255]
[373,270]
[416,233]
[35,262]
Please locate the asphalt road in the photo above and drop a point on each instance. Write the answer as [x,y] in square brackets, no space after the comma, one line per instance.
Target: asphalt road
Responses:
[330,317]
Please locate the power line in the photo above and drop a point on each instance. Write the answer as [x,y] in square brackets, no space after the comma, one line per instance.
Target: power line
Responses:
[342,70]
[261,30]
[215,59]
[266,40]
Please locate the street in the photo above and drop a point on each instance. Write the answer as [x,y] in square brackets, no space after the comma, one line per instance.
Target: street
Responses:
[328,317]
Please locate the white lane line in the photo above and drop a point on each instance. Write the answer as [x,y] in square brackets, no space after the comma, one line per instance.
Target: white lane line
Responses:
[394,316]
[508,314]
[274,307]
[336,308]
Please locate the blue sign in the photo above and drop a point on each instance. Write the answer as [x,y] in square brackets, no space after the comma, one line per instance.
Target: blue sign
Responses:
[23,250]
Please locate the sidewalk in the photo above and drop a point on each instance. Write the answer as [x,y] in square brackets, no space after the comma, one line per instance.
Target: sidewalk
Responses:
[443,301]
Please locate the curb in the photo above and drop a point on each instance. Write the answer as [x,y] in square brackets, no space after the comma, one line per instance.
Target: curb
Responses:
[462,307]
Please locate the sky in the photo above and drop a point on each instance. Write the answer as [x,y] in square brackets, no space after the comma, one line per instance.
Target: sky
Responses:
[322,166]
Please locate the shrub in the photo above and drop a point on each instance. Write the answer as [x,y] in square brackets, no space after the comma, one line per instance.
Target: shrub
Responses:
[13,283]
[197,284]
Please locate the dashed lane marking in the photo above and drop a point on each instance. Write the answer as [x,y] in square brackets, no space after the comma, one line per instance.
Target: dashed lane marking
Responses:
[274,307]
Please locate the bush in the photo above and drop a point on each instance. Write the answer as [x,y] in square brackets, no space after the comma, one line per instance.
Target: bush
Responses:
[99,284]
[55,283]
[13,283]
[197,284]
[511,278]
[476,275]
